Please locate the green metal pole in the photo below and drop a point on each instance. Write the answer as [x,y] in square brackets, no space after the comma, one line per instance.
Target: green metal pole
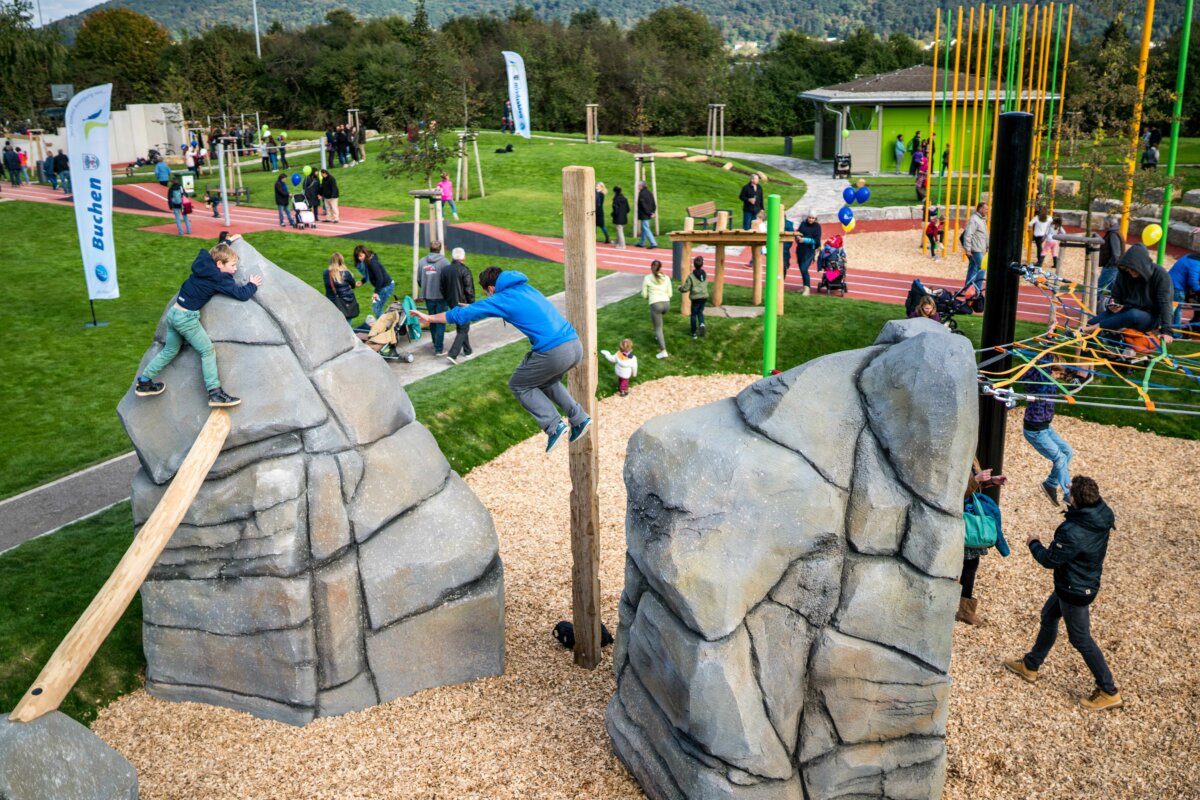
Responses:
[942,122]
[771,301]
[1053,86]
[987,90]
[1012,67]
[1180,77]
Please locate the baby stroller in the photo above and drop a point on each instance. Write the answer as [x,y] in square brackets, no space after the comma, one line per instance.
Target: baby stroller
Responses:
[831,264]
[397,325]
[305,217]
[966,301]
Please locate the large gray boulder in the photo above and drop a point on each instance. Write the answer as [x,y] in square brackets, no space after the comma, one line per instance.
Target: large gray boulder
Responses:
[790,583]
[332,560]
[56,757]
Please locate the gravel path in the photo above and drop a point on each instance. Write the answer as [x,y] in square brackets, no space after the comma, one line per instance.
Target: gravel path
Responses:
[538,731]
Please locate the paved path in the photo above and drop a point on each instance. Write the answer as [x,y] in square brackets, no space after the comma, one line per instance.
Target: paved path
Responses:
[824,193]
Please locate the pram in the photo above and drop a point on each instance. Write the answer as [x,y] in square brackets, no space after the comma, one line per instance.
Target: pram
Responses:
[831,264]
[966,301]
[305,217]
[398,324]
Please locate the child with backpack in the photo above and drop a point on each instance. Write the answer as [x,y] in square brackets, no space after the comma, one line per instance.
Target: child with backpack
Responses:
[212,273]
[626,365]
[695,286]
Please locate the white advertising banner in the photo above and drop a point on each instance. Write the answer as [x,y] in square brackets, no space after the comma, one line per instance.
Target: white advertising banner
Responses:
[518,92]
[91,188]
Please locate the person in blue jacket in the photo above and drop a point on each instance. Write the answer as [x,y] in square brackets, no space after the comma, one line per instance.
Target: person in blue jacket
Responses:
[554,349]
[212,273]
[1185,277]
[162,172]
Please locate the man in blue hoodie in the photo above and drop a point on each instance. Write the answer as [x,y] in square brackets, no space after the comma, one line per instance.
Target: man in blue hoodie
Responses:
[212,273]
[1185,277]
[554,348]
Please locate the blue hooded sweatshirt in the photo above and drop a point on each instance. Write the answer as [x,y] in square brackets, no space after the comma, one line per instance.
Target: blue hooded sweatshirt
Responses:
[527,309]
[1186,273]
[206,280]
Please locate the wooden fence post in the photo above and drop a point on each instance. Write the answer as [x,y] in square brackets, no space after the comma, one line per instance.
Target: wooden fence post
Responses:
[718,293]
[579,264]
[685,301]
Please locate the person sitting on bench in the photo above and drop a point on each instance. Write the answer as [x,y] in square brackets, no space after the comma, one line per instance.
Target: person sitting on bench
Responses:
[1142,297]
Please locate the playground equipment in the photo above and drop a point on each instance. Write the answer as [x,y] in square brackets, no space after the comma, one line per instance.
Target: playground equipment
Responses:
[1180,85]
[714,142]
[462,173]
[593,128]
[723,237]
[435,227]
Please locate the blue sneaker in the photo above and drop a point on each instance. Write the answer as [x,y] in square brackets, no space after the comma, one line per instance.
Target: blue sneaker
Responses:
[578,430]
[554,437]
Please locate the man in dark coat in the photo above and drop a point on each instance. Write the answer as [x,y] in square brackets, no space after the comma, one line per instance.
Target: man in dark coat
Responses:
[329,193]
[282,198]
[458,290]
[752,201]
[1143,297]
[1077,557]
[646,209]
[62,168]
[12,163]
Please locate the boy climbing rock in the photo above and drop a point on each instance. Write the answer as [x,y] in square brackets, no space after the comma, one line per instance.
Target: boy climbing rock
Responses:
[212,273]
[555,349]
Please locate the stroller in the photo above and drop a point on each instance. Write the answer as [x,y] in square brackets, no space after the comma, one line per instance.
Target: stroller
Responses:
[305,216]
[385,335]
[966,301]
[831,264]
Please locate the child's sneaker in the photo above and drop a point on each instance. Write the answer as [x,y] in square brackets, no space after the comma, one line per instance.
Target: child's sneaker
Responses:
[148,388]
[578,430]
[218,398]
[703,330]
[662,355]
[555,436]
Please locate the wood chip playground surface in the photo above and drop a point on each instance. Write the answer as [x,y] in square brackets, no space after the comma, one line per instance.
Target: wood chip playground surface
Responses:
[538,731]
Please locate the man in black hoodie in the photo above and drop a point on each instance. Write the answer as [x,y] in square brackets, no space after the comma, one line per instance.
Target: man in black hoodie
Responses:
[1142,298]
[646,209]
[752,201]
[458,289]
[1077,557]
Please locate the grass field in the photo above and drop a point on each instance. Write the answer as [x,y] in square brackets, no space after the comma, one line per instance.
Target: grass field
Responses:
[62,381]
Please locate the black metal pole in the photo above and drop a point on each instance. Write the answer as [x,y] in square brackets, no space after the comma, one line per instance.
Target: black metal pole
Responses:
[1009,193]
[92,305]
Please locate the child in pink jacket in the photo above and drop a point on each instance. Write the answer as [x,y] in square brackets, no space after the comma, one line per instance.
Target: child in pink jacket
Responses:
[448,194]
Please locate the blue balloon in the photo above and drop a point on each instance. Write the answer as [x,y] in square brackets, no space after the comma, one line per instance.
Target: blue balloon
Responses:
[863,194]
[845,215]
[295,179]
[848,194]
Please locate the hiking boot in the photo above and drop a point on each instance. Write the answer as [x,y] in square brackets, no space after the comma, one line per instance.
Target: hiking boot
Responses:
[1051,493]
[1102,701]
[552,438]
[218,398]
[967,607]
[1017,667]
[578,430]
[148,388]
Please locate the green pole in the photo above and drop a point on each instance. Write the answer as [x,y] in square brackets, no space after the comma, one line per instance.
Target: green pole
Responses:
[942,121]
[771,301]
[1008,77]
[1180,77]
[1053,87]
[987,89]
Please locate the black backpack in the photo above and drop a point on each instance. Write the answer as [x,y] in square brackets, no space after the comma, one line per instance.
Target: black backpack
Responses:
[565,633]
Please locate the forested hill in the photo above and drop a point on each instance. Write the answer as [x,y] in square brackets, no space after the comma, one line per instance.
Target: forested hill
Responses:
[748,20]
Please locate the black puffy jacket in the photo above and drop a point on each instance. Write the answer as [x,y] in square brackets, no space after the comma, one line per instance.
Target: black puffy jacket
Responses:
[1077,553]
[1152,291]
[458,285]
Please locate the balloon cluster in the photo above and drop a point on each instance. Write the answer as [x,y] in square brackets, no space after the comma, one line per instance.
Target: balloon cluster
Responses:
[860,194]
[1152,234]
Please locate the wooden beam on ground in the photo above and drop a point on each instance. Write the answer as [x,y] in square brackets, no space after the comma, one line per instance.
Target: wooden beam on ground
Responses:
[79,646]
[579,264]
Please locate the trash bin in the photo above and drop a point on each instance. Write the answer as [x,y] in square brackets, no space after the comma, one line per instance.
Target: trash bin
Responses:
[676,261]
[787,145]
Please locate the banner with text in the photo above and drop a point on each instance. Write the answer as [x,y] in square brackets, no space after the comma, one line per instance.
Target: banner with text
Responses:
[91,187]
[518,92]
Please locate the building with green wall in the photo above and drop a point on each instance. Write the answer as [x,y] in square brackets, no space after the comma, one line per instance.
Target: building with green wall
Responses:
[864,116]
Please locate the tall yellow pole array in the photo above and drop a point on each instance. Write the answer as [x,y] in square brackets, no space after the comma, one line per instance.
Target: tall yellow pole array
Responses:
[996,104]
[1062,94]
[937,35]
[975,110]
[960,148]
[1135,126]
[1020,105]
[953,127]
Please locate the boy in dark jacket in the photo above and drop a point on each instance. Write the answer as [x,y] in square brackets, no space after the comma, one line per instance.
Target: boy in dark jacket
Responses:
[1039,431]
[212,273]
[554,349]
[1142,297]
[458,290]
[1077,557]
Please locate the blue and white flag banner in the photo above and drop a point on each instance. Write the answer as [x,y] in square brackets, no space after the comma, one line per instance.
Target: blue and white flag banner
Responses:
[518,92]
[91,187]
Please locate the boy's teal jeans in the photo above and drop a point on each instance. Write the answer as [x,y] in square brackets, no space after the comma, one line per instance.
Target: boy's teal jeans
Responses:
[185,325]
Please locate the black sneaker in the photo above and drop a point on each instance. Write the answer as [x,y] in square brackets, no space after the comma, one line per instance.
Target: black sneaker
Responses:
[703,330]
[218,398]
[1051,493]
[149,388]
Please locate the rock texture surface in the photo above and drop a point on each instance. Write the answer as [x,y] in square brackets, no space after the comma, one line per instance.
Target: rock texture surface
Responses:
[56,757]
[332,560]
[790,584]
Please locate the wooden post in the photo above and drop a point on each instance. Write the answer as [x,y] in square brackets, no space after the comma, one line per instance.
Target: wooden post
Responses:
[79,646]
[579,265]
[478,164]
[685,302]
[756,264]
[441,221]
[718,293]
[721,116]
[654,191]
[416,283]
[593,127]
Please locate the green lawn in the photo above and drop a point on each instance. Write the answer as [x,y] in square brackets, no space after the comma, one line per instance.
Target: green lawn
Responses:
[62,381]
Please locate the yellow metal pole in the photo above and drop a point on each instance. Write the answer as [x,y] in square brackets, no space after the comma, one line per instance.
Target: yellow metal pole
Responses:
[1136,126]
[996,102]
[953,125]
[937,35]
[1062,96]
[960,149]
[1036,66]
[975,109]
[1020,105]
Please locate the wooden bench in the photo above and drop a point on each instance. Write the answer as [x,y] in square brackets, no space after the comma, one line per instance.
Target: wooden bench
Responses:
[238,196]
[705,213]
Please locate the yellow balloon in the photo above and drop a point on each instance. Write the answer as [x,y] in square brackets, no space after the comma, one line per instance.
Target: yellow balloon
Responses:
[861,182]
[1152,235]
[983,263]
[850,227]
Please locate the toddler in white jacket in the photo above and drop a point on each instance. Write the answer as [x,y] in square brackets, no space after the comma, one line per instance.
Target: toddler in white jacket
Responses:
[626,365]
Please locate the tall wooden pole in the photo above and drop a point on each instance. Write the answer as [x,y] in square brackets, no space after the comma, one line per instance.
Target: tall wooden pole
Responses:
[579,265]
[952,219]
[1062,104]
[1135,126]
[937,35]
[718,293]
[478,164]
[79,646]
[416,247]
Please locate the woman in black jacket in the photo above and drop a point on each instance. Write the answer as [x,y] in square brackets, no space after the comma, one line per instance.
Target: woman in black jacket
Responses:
[329,192]
[372,270]
[620,216]
[282,198]
[339,287]
[600,192]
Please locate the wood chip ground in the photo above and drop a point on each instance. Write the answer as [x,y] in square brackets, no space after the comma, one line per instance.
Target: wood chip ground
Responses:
[538,731]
